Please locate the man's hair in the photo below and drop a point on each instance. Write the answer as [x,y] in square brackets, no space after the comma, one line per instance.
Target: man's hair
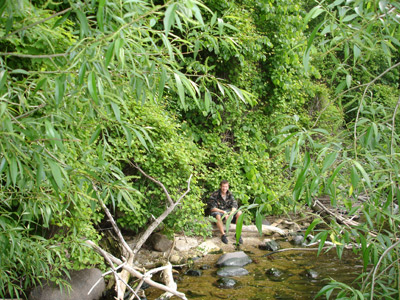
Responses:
[224,182]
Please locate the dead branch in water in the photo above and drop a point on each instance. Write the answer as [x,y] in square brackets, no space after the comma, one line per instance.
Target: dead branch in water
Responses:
[128,269]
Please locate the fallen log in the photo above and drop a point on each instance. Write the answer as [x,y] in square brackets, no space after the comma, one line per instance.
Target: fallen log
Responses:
[266,229]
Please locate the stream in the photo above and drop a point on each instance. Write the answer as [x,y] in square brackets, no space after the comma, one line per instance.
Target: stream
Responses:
[257,285]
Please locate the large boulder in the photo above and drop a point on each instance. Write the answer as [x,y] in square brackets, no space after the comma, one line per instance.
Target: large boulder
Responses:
[159,242]
[234,259]
[81,283]
[232,271]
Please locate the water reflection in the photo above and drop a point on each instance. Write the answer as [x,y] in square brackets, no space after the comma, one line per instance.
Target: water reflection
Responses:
[298,282]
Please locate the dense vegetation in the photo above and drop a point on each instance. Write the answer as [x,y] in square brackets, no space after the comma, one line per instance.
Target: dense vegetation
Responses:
[288,100]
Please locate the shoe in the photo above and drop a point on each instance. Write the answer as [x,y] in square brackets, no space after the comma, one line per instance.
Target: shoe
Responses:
[240,240]
[224,239]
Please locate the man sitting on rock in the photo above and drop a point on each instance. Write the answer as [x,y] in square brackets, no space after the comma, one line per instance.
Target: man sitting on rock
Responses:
[223,204]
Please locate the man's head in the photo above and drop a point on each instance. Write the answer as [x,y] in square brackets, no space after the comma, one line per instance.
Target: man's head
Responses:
[224,186]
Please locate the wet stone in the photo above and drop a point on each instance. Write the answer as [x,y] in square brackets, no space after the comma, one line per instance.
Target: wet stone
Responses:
[226,283]
[270,245]
[310,273]
[192,272]
[234,259]
[205,267]
[275,274]
[232,271]
[298,240]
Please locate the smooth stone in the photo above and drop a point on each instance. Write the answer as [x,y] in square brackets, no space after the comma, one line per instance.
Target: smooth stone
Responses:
[226,283]
[269,245]
[208,247]
[232,271]
[234,259]
[159,242]
[275,274]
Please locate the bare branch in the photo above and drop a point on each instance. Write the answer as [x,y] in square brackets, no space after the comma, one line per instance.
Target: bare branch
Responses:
[154,180]
[33,56]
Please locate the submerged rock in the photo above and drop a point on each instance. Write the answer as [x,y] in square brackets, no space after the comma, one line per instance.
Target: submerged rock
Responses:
[234,259]
[310,273]
[232,271]
[275,274]
[192,272]
[226,283]
[269,245]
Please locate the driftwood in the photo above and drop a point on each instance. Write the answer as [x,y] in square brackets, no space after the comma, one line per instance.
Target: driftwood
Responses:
[169,282]
[266,229]
[122,278]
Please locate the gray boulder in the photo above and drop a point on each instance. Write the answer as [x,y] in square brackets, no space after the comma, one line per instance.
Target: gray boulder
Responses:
[81,283]
[159,242]
[232,271]
[270,245]
[234,259]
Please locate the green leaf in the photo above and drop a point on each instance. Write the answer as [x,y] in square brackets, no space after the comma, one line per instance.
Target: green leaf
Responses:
[61,20]
[83,21]
[306,56]
[56,172]
[100,15]
[259,219]
[95,134]
[238,92]
[116,111]
[60,89]
[313,13]
[364,174]
[329,160]
[14,169]
[348,80]
[181,91]
[323,238]
[92,88]
[207,100]
[301,178]
[141,139]
[3,165]
[314,223]
[109,54]
[3,78]
[239,225]
[357,52]
[169,18]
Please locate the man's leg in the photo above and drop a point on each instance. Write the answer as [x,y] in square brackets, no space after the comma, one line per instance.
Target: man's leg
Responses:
[220,226]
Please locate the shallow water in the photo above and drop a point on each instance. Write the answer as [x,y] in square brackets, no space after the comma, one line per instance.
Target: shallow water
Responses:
[257,285]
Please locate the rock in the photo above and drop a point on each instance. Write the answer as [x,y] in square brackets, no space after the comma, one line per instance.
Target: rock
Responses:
[159,242]
[205,267]
[182,244]
[192,272]
[175,259]
[226,283]
[310,273]
[234,259]
[298,240]
[232,271]
[207,247]
[269,245]
[275,274]
[81,282]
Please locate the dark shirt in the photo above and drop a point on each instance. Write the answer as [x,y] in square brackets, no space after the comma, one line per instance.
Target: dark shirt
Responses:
[216,201]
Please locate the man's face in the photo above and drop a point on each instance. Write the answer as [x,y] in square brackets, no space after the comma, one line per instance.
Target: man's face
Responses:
[224,187]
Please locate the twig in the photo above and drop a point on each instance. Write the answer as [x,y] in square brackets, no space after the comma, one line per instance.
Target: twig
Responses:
[154,180]
[37,23]
[378,264]
[32,55]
